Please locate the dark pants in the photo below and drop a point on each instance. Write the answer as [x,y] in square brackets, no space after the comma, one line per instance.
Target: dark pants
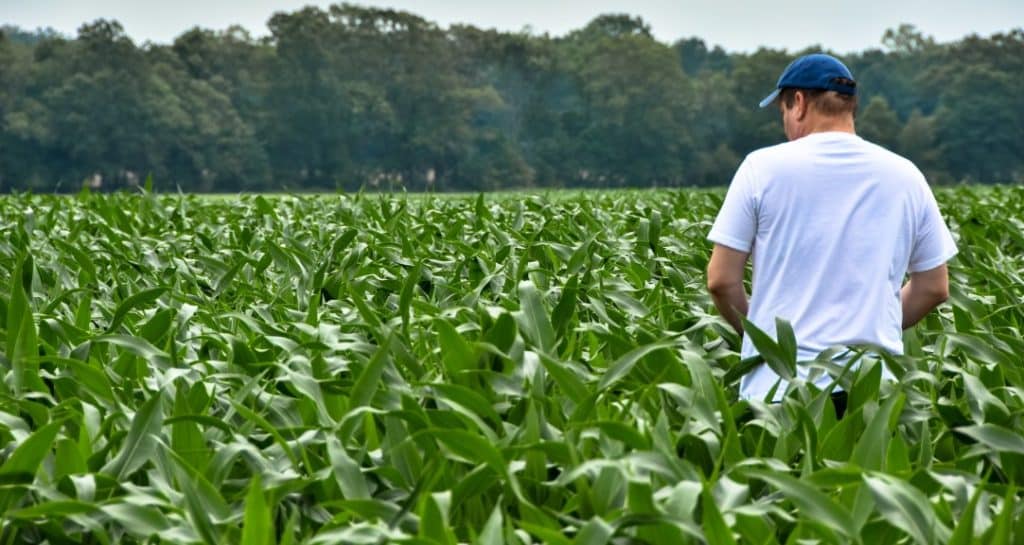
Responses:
[839,401]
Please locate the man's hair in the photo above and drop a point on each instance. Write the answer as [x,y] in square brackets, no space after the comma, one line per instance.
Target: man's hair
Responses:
[829,103]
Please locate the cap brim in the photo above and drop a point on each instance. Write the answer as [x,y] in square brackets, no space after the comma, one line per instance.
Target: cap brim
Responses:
[770,98]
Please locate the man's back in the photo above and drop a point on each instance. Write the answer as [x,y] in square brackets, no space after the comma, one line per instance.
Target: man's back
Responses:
[833,223]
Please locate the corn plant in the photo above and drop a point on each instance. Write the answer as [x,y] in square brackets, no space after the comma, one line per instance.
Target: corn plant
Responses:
[508,369]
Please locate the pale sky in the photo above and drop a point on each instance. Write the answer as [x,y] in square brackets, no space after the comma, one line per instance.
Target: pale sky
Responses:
[737,25]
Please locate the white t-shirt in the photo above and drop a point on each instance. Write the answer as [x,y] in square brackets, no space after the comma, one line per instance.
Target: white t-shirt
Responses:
[833,223]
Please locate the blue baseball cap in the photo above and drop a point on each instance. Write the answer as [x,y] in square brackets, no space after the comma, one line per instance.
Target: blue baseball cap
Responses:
[816,71]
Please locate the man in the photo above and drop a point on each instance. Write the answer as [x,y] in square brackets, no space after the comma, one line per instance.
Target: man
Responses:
[834,224]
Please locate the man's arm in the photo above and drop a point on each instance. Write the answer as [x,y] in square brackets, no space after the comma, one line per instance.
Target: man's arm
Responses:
[725,282]
[922,293]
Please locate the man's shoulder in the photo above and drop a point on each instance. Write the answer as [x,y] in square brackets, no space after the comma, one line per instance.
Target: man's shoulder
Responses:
[768,153]
[790,154]
[768,160]
[782,153]
[896,167]
[886,155]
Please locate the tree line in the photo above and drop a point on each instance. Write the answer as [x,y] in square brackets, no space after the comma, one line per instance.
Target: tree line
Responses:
[351,97]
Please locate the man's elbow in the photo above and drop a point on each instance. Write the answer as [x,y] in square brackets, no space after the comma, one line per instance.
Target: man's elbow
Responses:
[932,285]
[721,286]
[940,294]
[935,293]
[938,289]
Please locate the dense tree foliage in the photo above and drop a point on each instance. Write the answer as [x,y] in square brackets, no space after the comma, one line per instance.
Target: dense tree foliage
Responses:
[349,97]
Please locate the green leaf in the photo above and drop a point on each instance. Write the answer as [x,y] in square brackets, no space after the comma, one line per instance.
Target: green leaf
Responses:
[346,471]
[491,533]
[140,443]
[408,290]
[562,315]
[25,460]
[258,525]
[471,447]
[595,532]
[200,517]
[1003,528]
[135,345]
[655,229]
[186,437]
[142,298]
[369,380]
[547,536]
[566,378]
[139,520]
[715,529]
[815,507]
[906,508]
[81,257]
[92,379]
[57,509]
[622,366]
[503,333]
[963,530]
[787,341]
[738,371]
[777,357]
[22,341]
[456,354]
[869,453]
[995,437]
[535,322]
[434,519]
[468,398]
[68,459]
[625,433]
[225,280]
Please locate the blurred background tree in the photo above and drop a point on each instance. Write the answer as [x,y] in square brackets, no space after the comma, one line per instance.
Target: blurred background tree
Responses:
[347,97]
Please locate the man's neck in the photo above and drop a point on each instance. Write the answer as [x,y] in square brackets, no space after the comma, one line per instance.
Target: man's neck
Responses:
[821,123]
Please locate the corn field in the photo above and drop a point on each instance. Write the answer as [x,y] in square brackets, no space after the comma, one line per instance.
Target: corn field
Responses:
[511,369]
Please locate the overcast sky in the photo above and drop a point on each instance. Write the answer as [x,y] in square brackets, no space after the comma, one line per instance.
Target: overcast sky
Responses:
[737,25]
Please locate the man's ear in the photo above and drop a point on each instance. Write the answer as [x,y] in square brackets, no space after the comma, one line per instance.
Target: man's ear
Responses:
[801,105]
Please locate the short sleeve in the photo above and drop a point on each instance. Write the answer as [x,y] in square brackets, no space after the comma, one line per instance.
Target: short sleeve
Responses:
[933,244]
[736,223]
